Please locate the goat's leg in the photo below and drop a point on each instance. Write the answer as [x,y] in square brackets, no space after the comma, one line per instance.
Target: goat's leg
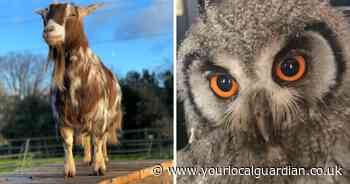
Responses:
[104,149]
[99,165]
[87,149]
[69,165]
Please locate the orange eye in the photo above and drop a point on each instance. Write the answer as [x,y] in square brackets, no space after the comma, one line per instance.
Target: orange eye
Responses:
[224,86]
[291,69]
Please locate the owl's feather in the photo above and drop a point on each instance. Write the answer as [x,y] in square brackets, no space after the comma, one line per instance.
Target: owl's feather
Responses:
[309,124]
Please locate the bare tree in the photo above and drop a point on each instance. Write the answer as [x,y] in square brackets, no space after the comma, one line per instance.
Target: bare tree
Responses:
[24,74]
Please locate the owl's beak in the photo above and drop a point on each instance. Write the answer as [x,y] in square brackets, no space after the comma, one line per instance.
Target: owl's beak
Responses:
[263,126]
[262,116]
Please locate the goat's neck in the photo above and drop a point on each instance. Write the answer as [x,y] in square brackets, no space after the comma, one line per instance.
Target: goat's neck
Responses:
[67,59]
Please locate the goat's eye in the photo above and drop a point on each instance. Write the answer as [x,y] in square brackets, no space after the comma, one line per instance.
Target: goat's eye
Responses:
[223,85]
[72,15]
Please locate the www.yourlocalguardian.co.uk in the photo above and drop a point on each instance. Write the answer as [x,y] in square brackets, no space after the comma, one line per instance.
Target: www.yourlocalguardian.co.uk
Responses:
[257,172]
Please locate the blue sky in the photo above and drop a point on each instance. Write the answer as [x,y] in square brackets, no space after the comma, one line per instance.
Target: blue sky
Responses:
[126,34]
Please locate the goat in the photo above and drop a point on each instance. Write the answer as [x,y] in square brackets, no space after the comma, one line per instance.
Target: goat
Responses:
[85,95]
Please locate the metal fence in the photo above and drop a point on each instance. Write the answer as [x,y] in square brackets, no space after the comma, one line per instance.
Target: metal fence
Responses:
[148,142]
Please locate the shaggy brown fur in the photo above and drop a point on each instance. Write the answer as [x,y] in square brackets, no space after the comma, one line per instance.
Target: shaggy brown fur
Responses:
[86,97]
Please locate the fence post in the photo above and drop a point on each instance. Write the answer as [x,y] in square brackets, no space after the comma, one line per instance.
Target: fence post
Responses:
[159,143]
[150,137]
[26,149]
[46,149]
[10,149]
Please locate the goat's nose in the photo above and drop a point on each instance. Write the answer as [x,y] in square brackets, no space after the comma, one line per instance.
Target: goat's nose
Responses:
[49,29]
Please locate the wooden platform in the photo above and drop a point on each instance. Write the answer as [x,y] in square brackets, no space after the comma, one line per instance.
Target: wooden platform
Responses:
[53,173]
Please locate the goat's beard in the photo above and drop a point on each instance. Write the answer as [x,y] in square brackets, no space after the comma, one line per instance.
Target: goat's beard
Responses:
[57,55]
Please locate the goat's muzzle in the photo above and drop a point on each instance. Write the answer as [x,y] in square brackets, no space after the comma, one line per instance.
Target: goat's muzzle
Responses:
[54,33]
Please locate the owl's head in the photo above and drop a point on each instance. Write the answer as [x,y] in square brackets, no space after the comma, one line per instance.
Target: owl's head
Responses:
[271,71]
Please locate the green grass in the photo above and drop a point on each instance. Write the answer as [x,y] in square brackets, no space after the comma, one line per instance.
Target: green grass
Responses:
[11,165]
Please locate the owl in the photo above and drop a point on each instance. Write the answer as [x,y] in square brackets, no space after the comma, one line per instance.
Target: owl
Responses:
[265,84]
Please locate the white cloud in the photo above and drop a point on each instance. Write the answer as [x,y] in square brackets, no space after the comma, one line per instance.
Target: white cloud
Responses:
[152,21]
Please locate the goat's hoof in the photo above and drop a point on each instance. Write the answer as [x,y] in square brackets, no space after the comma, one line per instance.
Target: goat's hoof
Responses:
[99,166]
[99,172]
[69,174]
[69,170]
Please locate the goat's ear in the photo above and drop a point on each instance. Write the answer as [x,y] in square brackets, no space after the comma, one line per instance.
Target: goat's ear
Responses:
[87,10]
[41,12]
